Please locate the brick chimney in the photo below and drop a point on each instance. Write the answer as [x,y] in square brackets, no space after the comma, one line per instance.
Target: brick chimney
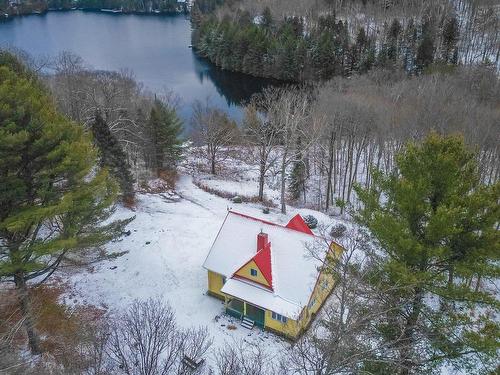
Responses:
[262,240]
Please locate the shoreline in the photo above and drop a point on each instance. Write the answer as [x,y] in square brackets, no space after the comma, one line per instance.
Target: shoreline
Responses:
[7,16]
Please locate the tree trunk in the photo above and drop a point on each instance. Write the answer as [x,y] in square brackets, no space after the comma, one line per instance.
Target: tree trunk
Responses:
[262,172]
[27,312]
[331,153]
[407,349]
[212,165]
[283,181]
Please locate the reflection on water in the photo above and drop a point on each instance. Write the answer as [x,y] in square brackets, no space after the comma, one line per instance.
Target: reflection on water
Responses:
[155,48]
[236,88]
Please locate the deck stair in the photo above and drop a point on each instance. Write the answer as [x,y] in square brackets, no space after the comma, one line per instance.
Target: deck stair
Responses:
[191,364]
[247,323]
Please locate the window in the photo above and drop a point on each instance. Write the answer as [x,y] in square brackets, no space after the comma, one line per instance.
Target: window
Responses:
[324,285]
[279,317]
[253,272]
[311,304]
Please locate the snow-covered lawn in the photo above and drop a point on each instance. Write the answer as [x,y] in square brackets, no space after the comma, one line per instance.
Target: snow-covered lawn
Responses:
[168,244]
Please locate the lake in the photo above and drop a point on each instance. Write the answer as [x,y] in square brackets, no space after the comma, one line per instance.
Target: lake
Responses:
[154,47]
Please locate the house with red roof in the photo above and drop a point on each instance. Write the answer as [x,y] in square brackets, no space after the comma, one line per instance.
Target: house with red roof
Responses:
[266,275]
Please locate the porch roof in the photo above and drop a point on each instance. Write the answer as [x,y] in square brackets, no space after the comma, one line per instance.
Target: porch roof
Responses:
[257,295]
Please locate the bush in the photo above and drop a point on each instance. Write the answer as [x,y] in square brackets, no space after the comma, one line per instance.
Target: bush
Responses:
[311,221]
[338,231]
[237,199]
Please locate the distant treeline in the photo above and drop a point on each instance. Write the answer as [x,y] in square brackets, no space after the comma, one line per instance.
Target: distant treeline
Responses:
[19,7]
[326,44]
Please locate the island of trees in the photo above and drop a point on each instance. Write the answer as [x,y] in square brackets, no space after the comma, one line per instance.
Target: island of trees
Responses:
[10,8]
[312,40]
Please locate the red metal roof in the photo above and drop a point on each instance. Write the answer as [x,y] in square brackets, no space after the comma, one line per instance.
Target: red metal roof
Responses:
[263,260]
[297,223]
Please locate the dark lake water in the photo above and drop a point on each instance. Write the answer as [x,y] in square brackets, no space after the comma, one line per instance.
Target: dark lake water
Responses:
[155,48]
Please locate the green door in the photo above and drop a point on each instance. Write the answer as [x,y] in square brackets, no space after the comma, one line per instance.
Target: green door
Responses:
[256,314]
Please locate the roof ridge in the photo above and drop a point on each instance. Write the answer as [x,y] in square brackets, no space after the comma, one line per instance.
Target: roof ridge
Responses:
[271,223]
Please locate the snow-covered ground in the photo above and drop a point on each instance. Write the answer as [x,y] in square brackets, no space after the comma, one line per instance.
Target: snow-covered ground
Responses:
[168,244]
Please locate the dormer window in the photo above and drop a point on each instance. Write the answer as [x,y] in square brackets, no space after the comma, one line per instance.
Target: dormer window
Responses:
[253,272]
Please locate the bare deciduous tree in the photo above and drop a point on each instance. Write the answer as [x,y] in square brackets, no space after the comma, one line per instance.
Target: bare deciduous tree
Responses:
[263,137]
[245,358]
[213,130]
[147,341]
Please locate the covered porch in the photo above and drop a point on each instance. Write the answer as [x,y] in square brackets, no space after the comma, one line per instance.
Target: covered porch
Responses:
[241,309]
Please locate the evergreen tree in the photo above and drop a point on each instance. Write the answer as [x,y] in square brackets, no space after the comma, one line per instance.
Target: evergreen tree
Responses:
[113,157]
[450,40]
[393,42]
[425,51]
[164,128]
[436,225]
[297,185]
[52,199]
[267,19]
[410,47]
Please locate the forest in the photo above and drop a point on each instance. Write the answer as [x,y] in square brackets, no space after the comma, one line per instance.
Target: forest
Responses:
[384,135]
[316,40]
[422,296]
[21,7]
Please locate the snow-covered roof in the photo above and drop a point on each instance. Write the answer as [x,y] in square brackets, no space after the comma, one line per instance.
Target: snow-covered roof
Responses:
[294,271]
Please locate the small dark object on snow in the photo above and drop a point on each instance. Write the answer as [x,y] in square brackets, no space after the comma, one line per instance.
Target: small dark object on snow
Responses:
[113,268]
[191,363]
[127,233]
[237,199]
[265,210]
[338,231]
[148,242]
[311,221]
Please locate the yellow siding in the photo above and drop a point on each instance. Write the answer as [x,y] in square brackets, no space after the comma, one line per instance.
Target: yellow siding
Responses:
[245,272]
[336,249]
[321,291]
[215,283]
[290,328]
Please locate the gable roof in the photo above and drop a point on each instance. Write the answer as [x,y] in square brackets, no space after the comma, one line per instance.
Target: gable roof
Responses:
[299,224]
[262,260]
[287,262]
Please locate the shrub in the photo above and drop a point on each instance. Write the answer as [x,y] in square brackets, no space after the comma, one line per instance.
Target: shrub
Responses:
[311,221]
[338,231]
[237,199]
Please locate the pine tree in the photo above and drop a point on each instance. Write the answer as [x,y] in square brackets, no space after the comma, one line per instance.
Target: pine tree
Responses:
[48,185]
[409,47]
[267,19]
[113,157]
[425,50]
[393,42]
[164,128]
[436,225]
[450,40]
[298,175]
